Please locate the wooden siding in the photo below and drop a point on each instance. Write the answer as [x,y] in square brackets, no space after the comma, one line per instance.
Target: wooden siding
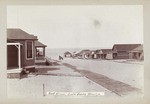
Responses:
[24,61]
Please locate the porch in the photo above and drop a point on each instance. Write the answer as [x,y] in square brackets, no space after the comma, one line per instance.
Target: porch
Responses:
[40,53]
[14,63]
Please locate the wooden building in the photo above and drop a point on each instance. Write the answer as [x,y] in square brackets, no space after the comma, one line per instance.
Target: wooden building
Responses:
[84,54]
[107,54]
[20,51]
[67,54]
[121,51]
[93,54]
[75,54]
[104,54]
[137,53]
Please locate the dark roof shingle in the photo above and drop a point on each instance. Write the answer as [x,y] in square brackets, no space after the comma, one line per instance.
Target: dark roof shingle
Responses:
[125,47]
[18,34]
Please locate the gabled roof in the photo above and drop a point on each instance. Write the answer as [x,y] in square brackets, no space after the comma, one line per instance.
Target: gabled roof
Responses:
[85,51]
[125,47]
[39,44]
[104,51]
[138,49]
[76,52]
[18,34]
[67,52]
[107,51]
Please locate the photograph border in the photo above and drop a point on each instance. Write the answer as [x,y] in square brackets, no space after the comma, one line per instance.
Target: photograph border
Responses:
[3,79]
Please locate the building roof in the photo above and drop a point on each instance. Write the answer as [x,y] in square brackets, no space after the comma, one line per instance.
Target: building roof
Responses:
[11,41]
[39,44]
[107,51]
[86,51]
[76,52]
[18,34]
[138,49]
[125,47]
[67,52]
[104,51]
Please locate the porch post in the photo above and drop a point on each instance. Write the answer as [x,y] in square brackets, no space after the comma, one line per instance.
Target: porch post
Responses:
[19,58]
[44,51]
[35,53]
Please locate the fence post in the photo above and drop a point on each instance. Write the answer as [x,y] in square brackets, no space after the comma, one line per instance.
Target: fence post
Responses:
[43,90]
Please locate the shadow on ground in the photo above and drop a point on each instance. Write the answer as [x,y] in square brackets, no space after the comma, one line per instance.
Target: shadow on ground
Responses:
[45,70]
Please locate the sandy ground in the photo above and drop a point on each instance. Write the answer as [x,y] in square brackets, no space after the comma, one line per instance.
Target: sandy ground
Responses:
[64,79]
[129,73]
[55,79]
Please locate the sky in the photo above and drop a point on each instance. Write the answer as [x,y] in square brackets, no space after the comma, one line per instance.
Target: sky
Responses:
[79,26]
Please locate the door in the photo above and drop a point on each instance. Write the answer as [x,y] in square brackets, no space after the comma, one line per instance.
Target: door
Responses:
[12,56]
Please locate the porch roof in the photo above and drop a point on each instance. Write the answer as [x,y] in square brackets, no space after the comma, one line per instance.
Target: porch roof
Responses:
[138,49]
[39,44]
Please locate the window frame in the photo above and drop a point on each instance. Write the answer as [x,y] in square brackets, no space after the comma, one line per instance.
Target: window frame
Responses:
[26,50]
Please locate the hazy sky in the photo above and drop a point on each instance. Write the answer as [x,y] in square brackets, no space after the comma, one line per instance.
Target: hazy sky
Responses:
[79,26]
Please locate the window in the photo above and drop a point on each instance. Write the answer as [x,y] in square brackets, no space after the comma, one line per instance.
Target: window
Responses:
[29,49]
[40,52]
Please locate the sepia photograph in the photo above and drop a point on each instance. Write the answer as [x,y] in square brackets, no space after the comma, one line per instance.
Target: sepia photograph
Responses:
[75,51]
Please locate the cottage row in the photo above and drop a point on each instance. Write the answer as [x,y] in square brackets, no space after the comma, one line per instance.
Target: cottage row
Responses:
[118,51]
[23,50]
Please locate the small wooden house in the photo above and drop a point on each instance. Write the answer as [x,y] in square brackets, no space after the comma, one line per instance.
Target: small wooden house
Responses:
[84,54]
[75,54]
[67,54]
[107,54]
[137,53]
[122,50]
[20,51]
[93,54]
[98,53]
[104,54]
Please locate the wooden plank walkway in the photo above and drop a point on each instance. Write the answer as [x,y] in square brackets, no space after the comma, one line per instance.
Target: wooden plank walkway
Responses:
[115,86]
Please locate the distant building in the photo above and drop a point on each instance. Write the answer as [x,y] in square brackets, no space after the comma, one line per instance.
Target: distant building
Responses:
[67,54]
[121,51]
[93,54]
[107,54]
[76,54]
[84,54]
[20,51]
[104,54]
[137,53]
